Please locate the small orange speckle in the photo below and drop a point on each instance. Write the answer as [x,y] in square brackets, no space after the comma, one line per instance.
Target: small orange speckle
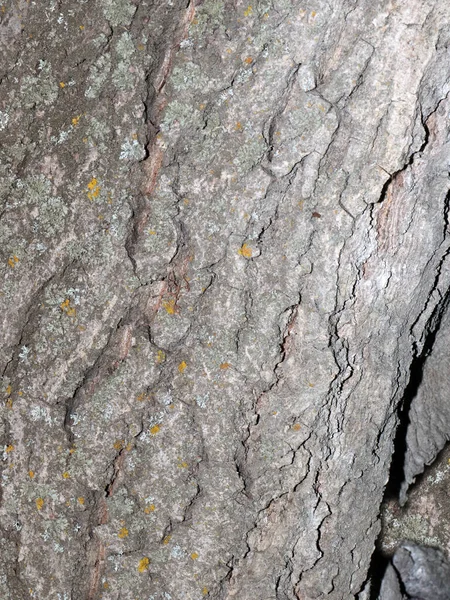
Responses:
[62,84]
[238,126]
[248,60]
[75,120]
[202,106]
[118,444]
[155,429]
[12,261]
[9,448]
[143,564]
[66,475]
[225,365]
[169,305]
[39,503]
[166,540]
[150,508]
[94,188]
[296,426]
[31,474]
[182,366]
[245,251]
[194,555]
[105,585]
[123,533]
[81,500]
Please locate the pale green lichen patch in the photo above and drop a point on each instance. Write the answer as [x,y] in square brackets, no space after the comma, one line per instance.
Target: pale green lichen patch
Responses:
[39,89]
[118,12]
[98,74]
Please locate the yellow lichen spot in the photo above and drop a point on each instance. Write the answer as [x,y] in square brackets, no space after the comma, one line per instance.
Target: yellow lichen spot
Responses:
[148,509]
[118,444]
[62,84]
[64,304]
[169,305]
[183,465]
[20,393]
[194,555]
[93,189]
[31,474]
[248,60]
[238,126]
[123,533]
[296,426]
[141,47]
[72,450]
[66,475]
[248,11]
[75,120]
[129,446]
[182,366]
[311,384]
[143,564]
[12,261]
[39,503]
[166,540]
[134,136]
[205,591]
[313,14]
[9,448]
[245,251]
[171,406]
[265,16]
[151,232]
[105,585]
[160,357]
[81,27]
[155,429]
[80,500]
[8,389]
[9,403]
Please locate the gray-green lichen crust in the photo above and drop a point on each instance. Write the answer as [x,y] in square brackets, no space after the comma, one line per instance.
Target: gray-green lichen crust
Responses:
[221,240]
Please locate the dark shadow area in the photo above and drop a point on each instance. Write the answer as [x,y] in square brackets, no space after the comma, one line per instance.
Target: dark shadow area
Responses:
[378,565]
[396,474]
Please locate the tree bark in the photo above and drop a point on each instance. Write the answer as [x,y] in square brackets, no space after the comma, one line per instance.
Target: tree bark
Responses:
[225,257]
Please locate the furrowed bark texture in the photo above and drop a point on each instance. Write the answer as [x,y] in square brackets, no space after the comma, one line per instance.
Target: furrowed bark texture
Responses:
[224,252]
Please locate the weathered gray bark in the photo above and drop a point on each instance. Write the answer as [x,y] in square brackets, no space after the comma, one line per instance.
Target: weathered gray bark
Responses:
[224,237]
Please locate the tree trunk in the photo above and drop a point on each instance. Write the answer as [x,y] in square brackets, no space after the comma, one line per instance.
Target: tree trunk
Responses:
[225,258]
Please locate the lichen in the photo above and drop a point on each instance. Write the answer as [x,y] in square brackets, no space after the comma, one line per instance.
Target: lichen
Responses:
[118,12]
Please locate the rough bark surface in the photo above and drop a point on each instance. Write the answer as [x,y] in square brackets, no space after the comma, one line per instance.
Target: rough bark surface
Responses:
[224,251]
